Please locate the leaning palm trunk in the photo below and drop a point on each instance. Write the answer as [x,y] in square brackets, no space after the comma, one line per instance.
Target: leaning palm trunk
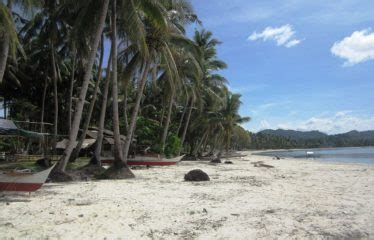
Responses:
[71,89]
[182,117]
[43,105]
[87,121]
[187,123]
[198,148]
[104,104]
[125,110]
[136,110]
[167,123]
[4,50]
[86,79]
[55,93]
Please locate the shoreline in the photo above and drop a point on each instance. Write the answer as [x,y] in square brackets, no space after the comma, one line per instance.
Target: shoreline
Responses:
[295,199]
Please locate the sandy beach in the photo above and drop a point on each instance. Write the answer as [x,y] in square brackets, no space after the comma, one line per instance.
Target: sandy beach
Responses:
[297,199]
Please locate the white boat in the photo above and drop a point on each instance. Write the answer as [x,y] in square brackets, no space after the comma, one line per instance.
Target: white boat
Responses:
[23,181]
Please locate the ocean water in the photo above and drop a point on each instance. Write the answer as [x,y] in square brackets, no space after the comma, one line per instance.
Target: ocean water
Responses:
[348,155]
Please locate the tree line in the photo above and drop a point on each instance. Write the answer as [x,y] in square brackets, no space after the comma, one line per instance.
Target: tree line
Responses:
[157,87]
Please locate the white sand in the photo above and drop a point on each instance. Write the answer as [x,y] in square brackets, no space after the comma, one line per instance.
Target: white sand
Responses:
[295,200]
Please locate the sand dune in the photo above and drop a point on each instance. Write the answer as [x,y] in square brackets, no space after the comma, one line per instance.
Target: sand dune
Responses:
[296,199]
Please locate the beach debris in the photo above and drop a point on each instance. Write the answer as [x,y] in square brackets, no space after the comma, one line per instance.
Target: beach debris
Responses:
[262,164]
[269,211]
[277,158]
[228,162]
[205,211]
[196,175]
[80,215]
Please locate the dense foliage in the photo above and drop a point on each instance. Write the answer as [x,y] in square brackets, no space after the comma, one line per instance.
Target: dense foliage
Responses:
[286,139]
[158,87]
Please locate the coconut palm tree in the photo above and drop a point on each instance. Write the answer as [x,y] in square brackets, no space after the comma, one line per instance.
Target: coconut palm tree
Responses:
[95,36]
[229,117]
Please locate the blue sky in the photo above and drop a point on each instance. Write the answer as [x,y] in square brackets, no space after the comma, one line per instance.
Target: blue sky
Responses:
[298,64]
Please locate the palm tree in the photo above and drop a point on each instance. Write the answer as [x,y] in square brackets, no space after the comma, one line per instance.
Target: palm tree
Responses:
[230,117]
[95,39]
[104,104]
[8,35]
[87,120]
[209,83]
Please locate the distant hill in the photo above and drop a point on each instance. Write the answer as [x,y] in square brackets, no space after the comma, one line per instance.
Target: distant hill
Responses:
[295,134]
[281,138]
[368,135]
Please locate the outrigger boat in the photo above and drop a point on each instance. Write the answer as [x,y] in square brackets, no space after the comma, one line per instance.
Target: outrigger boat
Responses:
[23,181]
[146,160]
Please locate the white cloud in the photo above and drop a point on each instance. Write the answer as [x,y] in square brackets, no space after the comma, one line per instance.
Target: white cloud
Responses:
[247,88]
[264,125]
[283,36]
[343,121]
[357,48]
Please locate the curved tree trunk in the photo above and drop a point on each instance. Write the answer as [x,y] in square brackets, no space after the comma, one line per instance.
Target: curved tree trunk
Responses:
[182,117]
[136,110]
[4,47]
[168,117]
[104,105]
[55,93]
[71,89]
[86,79]
[4,50]
[187,123]
[87,121]
[125,111]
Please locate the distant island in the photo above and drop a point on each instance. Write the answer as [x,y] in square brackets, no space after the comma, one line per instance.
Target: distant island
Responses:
[288,139]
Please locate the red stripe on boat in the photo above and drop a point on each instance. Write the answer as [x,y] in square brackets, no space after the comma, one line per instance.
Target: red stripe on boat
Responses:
[25,187]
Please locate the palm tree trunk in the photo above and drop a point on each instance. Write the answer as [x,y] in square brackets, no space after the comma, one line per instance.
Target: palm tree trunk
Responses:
[125,110]
[43,105]
[87,121]
[197,149]
[136,110]
[71,89]
[4,50]
[162,114]
[186,124]
[86,79]
[182,117]
[118,157]
[55,93]
[167,123]
[4,47]
[104,105]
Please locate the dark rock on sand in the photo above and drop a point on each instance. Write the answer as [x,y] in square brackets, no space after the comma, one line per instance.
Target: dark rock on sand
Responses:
[216,160]
[196,176]
[228,162]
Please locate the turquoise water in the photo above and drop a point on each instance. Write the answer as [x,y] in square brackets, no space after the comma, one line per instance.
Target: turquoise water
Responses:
[348,155]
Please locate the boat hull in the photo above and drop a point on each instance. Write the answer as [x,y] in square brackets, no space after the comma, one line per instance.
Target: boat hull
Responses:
[23,181]
[146,161]
[20,187]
